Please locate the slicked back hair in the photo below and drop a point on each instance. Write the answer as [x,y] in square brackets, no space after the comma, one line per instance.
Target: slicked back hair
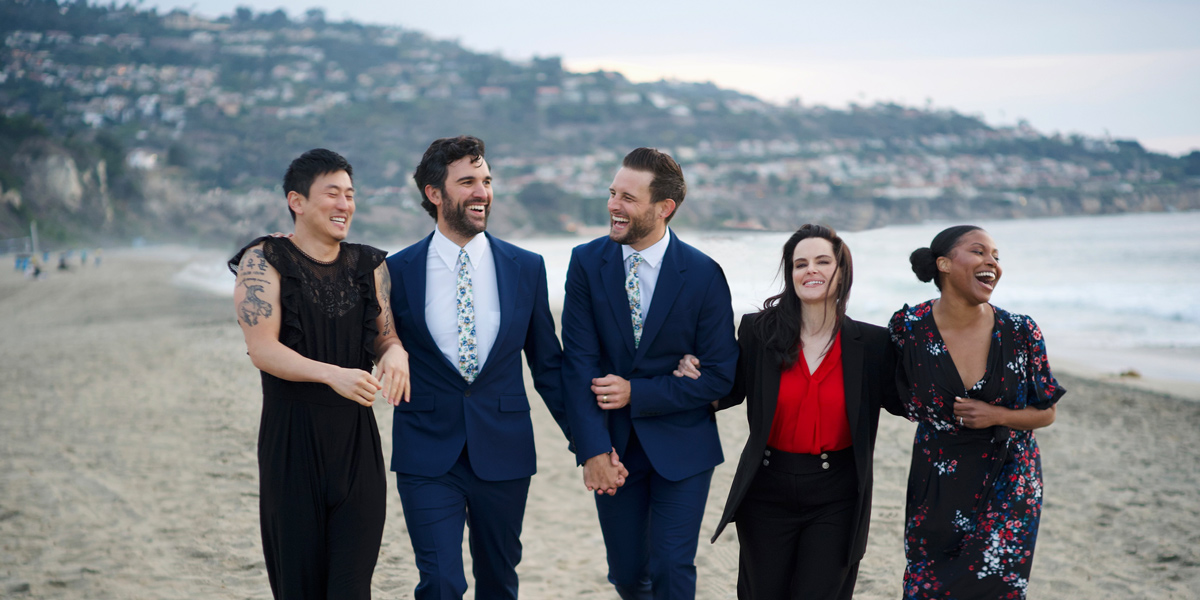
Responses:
[668,176]
[433,168]
[308,167]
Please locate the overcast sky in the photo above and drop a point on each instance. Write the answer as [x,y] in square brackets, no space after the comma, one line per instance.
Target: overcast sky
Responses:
[1128,69]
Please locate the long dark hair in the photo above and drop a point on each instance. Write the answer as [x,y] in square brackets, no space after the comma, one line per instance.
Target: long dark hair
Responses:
[779,322]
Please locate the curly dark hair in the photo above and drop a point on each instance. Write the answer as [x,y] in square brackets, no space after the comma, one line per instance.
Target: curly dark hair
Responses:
[439,155]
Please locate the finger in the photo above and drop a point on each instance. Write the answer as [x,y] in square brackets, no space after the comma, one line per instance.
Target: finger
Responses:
[695,361]
[386,385]
[407,388]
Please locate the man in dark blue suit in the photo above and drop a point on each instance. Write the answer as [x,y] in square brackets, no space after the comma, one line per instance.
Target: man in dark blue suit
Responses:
[637,300]
[466,305]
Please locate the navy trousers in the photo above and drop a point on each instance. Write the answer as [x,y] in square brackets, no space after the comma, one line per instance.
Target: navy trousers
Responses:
[651,529]
[435,511]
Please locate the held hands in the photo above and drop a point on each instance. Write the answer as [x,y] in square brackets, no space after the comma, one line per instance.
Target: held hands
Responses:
[393,373]
[604,473]
[612,392]
[977,414]
[355,384]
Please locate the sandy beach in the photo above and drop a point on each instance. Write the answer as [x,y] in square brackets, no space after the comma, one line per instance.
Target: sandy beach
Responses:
[127,465]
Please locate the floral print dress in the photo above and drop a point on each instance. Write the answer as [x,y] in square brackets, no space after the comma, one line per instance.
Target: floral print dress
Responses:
[974,495]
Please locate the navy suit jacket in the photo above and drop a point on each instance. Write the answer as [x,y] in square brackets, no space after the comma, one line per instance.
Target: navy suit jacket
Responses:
[491,415]
[690,313]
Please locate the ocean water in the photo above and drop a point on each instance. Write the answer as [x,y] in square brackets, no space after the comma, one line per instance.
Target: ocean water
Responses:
[1110,293]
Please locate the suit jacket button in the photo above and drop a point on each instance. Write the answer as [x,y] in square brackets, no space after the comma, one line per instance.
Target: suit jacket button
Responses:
[467,393]
[766,462]
[824,465]
[767,452]
[824,456]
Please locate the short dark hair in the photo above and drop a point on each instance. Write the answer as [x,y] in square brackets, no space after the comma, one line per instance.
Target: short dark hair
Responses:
[309,166]
[779,323]
[924,260]
[668,176]
[439,155]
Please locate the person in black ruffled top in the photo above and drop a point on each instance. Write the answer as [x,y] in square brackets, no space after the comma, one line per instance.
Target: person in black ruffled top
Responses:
[315,313]
[976,380]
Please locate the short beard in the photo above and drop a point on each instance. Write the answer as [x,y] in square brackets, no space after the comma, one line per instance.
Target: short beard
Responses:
[637,231]
[456,219]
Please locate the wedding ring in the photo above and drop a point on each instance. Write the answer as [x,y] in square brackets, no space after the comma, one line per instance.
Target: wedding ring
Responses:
[604,398]
[960,421]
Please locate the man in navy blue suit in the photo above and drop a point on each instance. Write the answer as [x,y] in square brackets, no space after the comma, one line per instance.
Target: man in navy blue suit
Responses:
[466,305]
[637,300]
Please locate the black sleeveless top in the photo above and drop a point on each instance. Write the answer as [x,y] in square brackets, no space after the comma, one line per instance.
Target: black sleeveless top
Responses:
[328,312]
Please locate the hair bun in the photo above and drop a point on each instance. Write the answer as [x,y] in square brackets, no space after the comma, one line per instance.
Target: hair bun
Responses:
[924,264]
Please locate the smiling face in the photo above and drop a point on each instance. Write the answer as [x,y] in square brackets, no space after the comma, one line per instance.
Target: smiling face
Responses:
[814,272]
[972,269]
[633,219]
[329,206]
[465,200]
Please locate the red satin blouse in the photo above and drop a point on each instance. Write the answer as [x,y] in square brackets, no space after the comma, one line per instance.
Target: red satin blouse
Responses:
[810,415]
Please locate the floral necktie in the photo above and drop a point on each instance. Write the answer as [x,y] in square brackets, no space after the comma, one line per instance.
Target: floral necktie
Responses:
[468,358]
[633,289]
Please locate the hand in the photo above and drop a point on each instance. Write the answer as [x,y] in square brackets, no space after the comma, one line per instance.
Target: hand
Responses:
[392,372]
[355,384]
[604,473]
[976,414]
[612,391]
[689,366]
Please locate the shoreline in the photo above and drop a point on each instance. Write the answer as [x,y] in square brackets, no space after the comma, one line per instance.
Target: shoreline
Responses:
[128,466]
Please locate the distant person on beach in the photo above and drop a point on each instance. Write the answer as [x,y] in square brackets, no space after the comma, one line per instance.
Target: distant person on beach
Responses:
[976,380]
[316,312]
[814,380]
[468,304]
[637,300]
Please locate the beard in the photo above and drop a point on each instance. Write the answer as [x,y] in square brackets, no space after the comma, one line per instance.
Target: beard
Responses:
[639,227]
[458,221]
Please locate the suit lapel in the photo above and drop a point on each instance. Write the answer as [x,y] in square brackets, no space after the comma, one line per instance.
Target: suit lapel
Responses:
[666,289]
[508,273]
[852,374]
[415,273]
[612,276]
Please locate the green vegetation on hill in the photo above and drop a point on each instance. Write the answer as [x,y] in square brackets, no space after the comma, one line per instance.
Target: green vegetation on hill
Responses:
[157,110]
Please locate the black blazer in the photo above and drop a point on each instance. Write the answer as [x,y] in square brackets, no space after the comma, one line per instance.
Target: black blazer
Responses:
[869,373]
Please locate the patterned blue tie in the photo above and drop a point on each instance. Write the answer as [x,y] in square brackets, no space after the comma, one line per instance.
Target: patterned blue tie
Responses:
[468,357]
[633,289]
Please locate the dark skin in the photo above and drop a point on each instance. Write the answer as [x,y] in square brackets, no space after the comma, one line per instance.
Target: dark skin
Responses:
[965,320]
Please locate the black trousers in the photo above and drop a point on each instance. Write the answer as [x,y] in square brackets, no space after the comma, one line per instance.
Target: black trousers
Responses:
[794,527]
[322,498]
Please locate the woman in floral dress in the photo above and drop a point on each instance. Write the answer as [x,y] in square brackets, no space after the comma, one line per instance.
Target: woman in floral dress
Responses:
[976,381]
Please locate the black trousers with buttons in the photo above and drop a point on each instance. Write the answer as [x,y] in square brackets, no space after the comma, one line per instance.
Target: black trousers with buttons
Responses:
[795,527]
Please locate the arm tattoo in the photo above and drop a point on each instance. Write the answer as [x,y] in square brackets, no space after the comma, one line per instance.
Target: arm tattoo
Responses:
[253,262]
[252,273]
[385,292]
[253,307]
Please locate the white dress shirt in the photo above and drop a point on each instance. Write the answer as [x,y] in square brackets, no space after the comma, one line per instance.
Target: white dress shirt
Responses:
[441,287]
[651,266]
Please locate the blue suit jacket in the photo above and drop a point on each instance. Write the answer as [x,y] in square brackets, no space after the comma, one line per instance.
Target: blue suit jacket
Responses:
[491,415]
[690,313]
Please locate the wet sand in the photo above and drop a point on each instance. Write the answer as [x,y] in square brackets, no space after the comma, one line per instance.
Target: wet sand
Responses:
[127,466]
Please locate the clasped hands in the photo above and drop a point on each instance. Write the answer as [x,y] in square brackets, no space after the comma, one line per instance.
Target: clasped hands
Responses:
[390,376]
[604,473]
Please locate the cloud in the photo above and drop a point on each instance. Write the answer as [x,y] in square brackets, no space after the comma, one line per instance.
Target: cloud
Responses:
[1152,94]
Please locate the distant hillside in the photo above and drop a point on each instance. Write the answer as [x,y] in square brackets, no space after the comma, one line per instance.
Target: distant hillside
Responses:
[170,125]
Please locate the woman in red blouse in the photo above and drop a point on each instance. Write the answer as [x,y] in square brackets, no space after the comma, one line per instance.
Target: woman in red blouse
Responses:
[814,381]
